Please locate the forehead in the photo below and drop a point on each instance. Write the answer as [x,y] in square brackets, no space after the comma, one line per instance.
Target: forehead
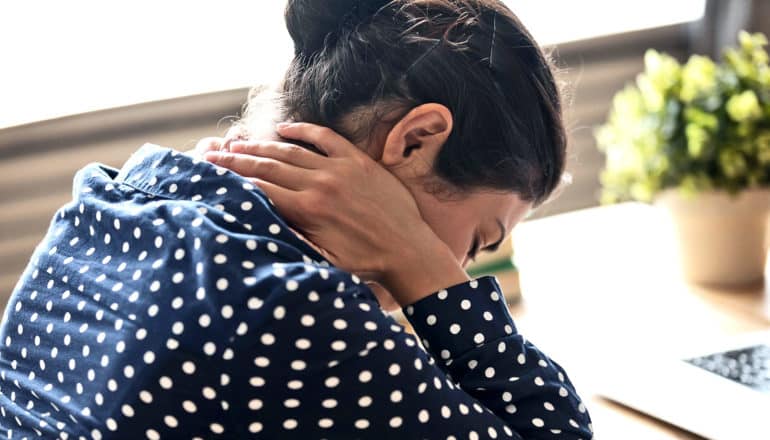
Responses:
[507,207]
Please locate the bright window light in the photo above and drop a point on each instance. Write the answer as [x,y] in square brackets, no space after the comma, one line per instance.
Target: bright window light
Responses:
[560,21]
[67,57]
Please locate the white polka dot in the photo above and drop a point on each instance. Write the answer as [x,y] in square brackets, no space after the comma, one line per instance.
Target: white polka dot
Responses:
[302,344]
[255,427]
[538,422]
[539,381]
[563,392]
[325,423]
[510,409]
[209,393]
[127,411]
[204,320]
[307,320]
[272,247]
[465,304]
[255,303]
[152,434]
[170,421]
[394,369]
[338,345]
[189,406]
[291,403]
[362,424]
[332,382]
[365,376]
[549,406]
[262,361]
[292,285]
[216,428]
[489,372]
[431,319]
[454,329]
[166,383]
[209,348]
[442,294]
[423,416]
[289,424]
[145,396]
[478,338]
[395,422]
[298,365]
[222,284]
[279,312]
[188,367]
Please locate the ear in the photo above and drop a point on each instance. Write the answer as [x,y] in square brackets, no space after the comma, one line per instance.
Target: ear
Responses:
[417,138]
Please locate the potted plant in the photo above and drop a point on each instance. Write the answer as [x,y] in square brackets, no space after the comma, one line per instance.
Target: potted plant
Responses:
[695,140]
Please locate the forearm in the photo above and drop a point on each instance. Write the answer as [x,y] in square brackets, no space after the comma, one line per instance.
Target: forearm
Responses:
[468,330]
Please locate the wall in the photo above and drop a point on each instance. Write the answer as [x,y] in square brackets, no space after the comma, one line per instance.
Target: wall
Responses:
[38,161]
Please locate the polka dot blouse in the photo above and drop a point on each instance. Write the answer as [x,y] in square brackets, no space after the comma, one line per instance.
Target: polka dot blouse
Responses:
[169,300]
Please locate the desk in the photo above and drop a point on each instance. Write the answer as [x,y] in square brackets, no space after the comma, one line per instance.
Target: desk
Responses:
[607,277]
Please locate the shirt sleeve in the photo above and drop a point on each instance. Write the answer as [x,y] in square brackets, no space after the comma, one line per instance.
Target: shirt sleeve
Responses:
[349,369]
[469,329]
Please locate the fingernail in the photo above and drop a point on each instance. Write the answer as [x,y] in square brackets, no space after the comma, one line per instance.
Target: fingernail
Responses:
[237,146]
[282,125]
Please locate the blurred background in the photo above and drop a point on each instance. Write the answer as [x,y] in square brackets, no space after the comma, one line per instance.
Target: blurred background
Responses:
[87,81]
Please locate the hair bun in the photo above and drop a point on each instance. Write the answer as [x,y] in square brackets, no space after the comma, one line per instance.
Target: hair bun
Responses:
[311,23]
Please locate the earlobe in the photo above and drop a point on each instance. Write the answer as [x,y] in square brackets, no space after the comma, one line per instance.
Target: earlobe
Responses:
[420,133]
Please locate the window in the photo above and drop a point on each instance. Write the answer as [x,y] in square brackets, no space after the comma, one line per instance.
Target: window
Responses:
[62,58]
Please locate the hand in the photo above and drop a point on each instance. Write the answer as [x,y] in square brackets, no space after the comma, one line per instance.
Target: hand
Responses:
[362,217]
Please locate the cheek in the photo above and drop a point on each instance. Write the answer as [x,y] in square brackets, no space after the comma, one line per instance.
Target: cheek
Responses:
[451,226]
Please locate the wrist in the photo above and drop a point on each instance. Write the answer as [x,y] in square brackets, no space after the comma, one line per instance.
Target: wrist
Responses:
[421,269]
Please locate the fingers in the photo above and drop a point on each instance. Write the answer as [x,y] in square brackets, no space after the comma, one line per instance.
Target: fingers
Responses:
[273,171]
[325,139]
[283,199]
[209,144]
[281,151]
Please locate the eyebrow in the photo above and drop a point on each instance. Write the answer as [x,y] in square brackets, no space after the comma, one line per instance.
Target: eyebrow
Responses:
[493,247]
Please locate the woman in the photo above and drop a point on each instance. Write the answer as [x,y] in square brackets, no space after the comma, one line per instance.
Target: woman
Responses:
[175,299]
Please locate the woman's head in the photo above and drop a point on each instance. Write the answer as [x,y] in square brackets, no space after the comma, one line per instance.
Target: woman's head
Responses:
[453,96]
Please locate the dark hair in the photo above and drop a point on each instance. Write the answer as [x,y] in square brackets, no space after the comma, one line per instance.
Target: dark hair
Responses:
[366,58]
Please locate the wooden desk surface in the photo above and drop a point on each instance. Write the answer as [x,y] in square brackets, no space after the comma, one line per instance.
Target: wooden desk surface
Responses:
[597,280]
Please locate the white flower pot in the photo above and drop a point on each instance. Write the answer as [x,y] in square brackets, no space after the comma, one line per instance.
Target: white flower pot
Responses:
[722,240]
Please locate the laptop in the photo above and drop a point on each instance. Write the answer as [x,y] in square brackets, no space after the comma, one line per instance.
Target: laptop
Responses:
[719,390]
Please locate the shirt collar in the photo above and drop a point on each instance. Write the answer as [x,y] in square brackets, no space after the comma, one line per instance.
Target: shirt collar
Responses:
[171,174]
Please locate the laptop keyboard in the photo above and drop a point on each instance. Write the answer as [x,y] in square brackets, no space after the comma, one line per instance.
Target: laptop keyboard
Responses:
[748,366]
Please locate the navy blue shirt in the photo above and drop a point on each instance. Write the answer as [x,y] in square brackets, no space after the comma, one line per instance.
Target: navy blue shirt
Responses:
[170,300]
